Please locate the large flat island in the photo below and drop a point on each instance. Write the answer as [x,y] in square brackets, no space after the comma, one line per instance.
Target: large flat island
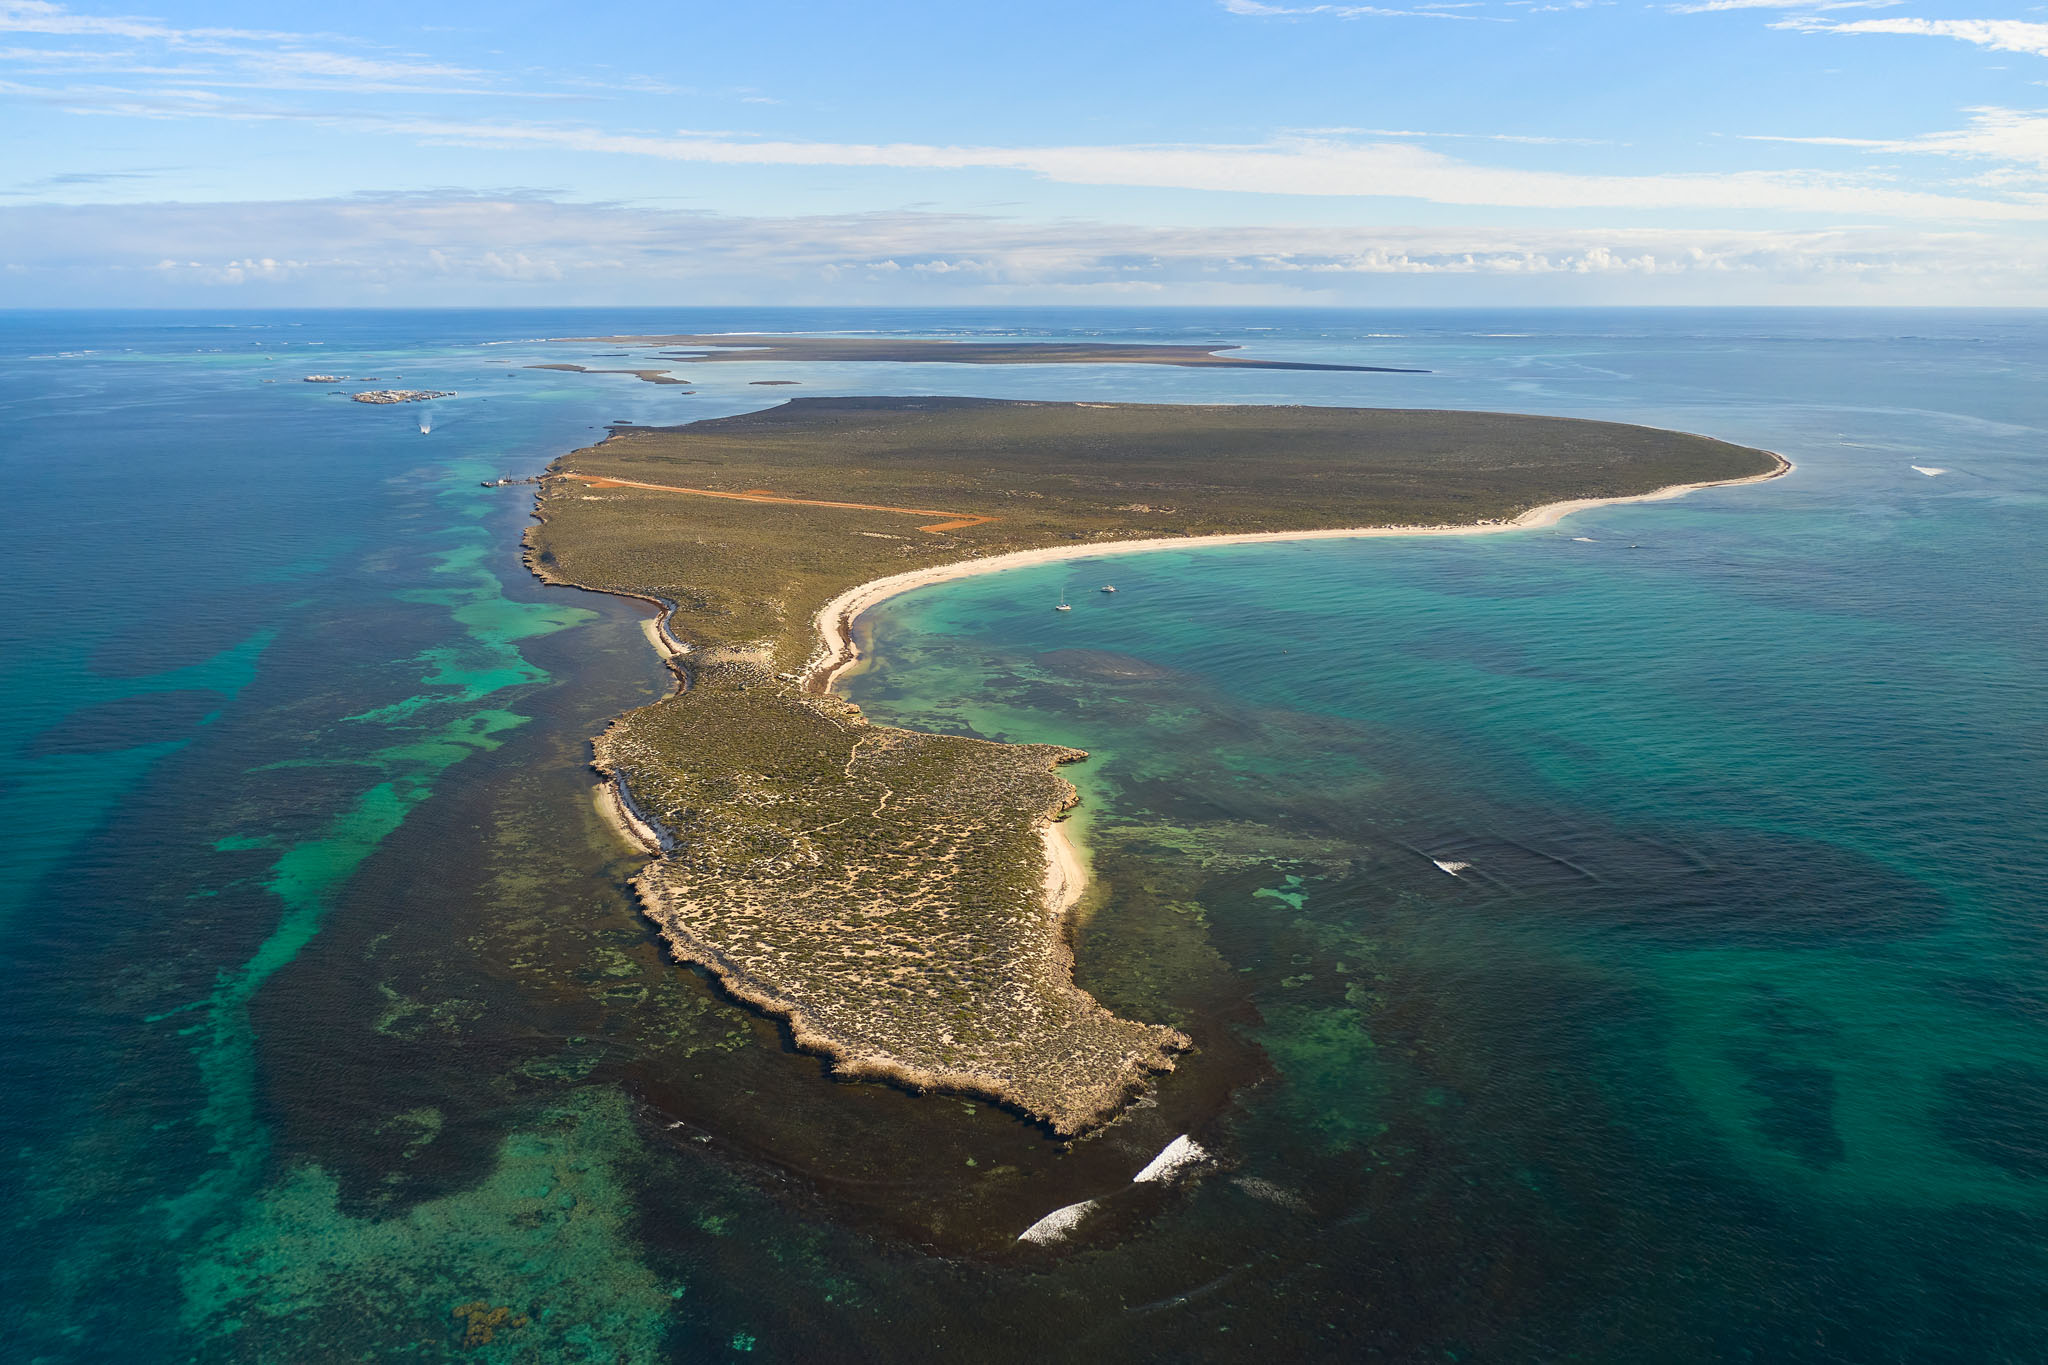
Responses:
[899,898]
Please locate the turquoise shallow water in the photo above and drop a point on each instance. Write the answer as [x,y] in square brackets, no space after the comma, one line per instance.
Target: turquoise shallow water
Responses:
[332,1032]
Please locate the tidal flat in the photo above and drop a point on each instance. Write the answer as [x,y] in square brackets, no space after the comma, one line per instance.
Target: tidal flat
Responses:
[886,892]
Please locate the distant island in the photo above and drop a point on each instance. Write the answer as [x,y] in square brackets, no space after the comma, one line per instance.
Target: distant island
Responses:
[644,376]
[899,897]
[788,349]
[400,395]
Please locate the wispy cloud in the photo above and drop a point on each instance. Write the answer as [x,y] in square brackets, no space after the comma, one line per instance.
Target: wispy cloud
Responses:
[2000,35]
[2016,137]
[1317,167]
[73,180]
[39,16]
[1719,6]
[227,56]
[79,45]
[1531,139]
[1258,9]
[1389,167]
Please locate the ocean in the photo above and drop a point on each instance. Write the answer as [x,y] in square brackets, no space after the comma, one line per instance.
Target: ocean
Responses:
[1618,941]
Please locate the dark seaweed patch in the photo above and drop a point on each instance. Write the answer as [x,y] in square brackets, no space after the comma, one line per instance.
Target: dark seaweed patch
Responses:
[1101,665]
[1999,1114]
[149,719]
[1798,1113]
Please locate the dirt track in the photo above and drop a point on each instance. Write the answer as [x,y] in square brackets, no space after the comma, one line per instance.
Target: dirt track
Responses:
[955,521]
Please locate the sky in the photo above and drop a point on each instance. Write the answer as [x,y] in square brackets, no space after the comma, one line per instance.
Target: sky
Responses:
[1150,152]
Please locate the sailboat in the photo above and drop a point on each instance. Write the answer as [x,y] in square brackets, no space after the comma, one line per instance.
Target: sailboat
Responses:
[1063,602]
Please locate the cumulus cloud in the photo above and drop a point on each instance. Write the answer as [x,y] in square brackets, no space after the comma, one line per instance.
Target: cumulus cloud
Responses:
[427,249]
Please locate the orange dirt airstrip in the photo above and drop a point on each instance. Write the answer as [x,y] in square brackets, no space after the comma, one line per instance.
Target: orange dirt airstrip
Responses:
[956,521]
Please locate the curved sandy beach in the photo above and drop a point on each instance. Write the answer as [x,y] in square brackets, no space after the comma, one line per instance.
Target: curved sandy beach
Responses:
[1066,874]
[837,650]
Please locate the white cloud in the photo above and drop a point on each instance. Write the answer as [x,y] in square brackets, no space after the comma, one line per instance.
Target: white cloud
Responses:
[347,68]
[1318,167]
[2018,137]
[1258,9]
[1292,165]
[1532,139]
[2000,35]
[38,16]
[425,249]
[243,56]
[1720,6]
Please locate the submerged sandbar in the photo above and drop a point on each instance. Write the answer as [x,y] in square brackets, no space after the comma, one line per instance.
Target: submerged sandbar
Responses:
[894,895]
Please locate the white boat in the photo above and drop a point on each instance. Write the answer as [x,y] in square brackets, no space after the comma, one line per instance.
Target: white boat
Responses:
[1109,587]
[1063,603]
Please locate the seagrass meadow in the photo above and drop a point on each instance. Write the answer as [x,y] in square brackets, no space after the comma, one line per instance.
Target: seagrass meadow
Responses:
[886,891]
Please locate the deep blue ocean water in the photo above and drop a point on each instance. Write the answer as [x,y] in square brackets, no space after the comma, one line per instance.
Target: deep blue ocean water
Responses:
[332,1032]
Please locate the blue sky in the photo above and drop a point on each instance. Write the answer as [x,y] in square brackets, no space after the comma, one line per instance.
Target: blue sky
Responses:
[1174,151]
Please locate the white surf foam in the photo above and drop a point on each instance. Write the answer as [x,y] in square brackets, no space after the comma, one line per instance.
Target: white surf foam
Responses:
[1584,540]
[1174,1158]
[1929,470]
[1056,1226]
[1450,865]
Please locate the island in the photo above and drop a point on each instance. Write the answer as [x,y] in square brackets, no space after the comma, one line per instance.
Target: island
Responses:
[900,898]
[644,376]
[786,349]
[400,395]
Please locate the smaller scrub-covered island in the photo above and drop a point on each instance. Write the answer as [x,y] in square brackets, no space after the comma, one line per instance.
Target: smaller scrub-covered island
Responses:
[899,898]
